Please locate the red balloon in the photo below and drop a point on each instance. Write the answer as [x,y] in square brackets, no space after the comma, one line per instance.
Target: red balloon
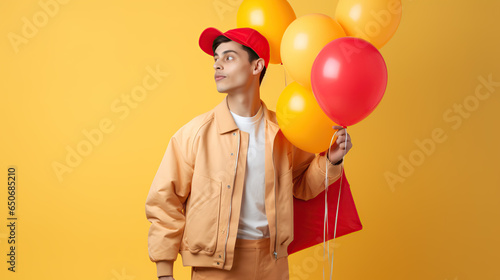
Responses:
[348,79]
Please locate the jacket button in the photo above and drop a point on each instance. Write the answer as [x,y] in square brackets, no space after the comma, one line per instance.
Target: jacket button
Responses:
[220,256]
[231,153]
[228,186]
[234,133]
[217,263]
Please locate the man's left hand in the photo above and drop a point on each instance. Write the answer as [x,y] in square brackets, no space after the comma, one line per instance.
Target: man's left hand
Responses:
[341,146]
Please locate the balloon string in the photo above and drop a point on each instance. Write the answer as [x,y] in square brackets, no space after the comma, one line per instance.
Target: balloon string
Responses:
[325,222]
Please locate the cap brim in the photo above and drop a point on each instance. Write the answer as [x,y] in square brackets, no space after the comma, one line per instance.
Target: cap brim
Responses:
[207,38]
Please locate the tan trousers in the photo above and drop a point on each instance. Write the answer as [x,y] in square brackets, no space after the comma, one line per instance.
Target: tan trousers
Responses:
[252,261]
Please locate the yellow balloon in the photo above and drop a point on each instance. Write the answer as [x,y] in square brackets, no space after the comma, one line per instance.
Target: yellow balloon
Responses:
[303,40]
[270,18]
[302,121]
[375,21]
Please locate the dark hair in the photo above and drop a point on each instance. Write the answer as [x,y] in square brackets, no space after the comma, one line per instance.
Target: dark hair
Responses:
[252,55]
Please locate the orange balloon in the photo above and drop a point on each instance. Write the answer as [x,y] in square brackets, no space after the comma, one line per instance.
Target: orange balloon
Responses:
[303,40]
[270,18]
[375,21]
[302,121]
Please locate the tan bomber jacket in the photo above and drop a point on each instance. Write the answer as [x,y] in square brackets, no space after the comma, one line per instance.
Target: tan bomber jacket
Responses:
[195,198]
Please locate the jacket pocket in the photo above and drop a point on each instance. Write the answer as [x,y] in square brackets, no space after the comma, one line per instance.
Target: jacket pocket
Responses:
[202,215]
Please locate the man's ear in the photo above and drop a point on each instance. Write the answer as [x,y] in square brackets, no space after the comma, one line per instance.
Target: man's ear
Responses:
[259,66]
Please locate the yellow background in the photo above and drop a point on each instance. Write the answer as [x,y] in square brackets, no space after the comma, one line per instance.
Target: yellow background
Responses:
[441,222]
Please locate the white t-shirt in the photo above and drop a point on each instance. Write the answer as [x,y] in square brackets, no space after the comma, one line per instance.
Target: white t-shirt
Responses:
[253,221]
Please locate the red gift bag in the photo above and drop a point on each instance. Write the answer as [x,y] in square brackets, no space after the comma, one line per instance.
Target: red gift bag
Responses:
[308,216]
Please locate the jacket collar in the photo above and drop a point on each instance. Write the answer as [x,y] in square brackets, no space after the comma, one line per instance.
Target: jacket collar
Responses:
[225,121]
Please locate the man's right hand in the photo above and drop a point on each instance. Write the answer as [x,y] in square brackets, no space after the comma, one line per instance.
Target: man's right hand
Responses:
[166,278]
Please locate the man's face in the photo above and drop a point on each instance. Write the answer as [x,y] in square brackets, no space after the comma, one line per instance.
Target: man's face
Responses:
[233,71]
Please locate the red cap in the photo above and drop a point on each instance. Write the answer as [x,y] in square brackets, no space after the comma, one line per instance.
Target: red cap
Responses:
[246,36]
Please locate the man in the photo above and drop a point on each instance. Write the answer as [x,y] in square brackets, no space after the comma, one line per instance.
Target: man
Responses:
[223,194]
